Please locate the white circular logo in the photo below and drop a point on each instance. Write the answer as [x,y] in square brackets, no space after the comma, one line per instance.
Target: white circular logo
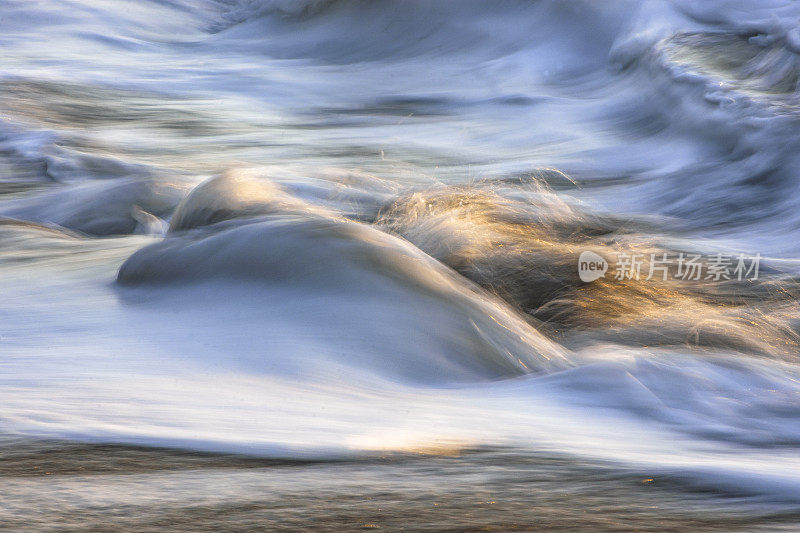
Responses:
[591,266]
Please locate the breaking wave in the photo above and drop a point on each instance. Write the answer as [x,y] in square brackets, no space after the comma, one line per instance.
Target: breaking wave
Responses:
[345,226]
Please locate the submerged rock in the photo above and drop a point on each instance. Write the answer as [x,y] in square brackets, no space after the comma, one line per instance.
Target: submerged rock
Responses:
[111,207]
[234,195]
[403,312]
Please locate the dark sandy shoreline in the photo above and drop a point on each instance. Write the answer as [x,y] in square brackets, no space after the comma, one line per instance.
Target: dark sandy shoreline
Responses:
[62,486]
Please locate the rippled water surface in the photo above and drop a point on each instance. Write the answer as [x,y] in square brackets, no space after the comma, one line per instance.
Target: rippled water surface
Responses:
[313,264]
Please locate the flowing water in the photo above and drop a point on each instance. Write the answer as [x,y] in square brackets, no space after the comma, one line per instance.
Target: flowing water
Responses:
[314,264]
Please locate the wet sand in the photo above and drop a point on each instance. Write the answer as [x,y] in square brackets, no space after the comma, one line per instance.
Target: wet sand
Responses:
[58,486]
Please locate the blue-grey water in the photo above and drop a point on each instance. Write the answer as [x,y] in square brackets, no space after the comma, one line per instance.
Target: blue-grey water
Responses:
[343,236]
